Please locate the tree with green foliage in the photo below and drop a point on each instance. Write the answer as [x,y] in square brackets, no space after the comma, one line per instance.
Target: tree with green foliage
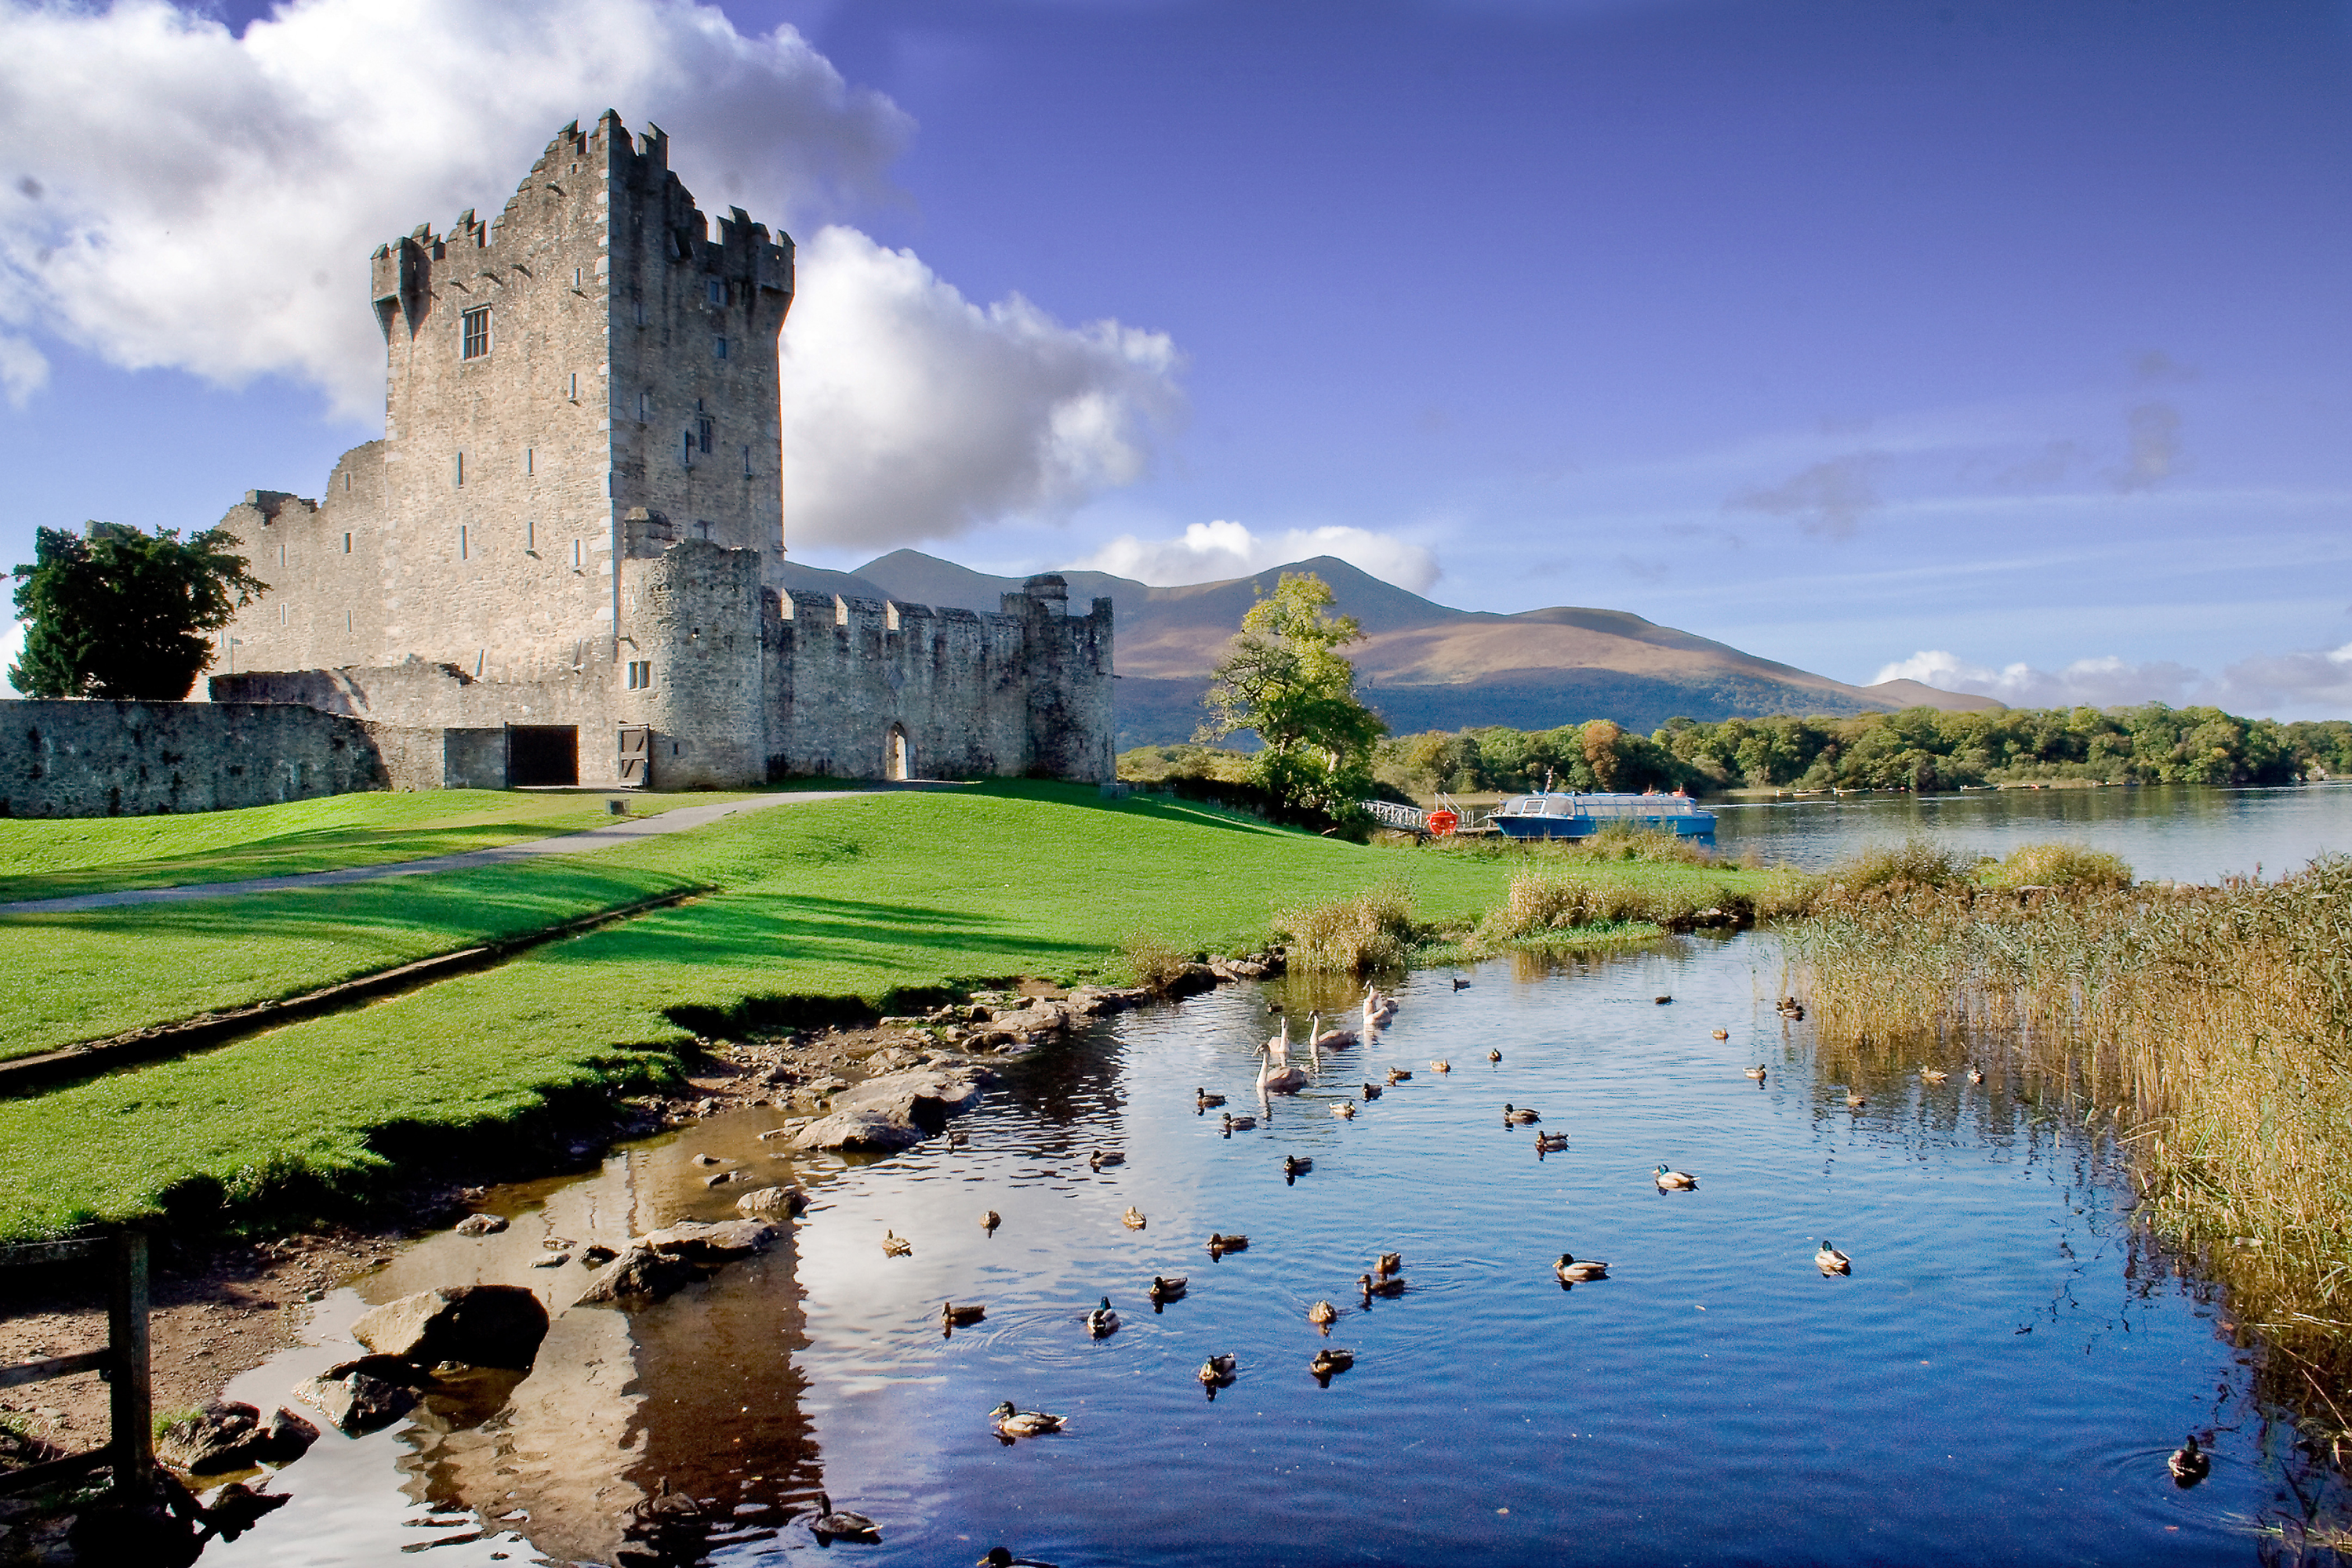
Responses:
[118,614]
[1285,679]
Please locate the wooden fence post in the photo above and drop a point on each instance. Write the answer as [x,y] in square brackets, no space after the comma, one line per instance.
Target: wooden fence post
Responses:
[134,1410]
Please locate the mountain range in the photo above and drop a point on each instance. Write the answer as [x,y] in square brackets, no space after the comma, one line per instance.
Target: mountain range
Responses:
[1423,665]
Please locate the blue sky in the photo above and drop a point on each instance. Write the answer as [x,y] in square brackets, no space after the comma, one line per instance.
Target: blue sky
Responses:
[2005,345]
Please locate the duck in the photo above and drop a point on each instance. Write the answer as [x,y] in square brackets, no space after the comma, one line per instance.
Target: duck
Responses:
[1102,1322]
[959,1141]
[1330,1362]
[1399,1075]
[1271,1079]
[1099,1158]
[1217,1372]
[1723,1034]
[1662,1001]
[954,1316]
[1550,1143]
[1460,983]
[1975,1075]
[1345,1110]
[1374,1091]
[831,1523]
[1933,1075]
[2190,1463]
[1218,1244]
[1387,1284]
[1672,1180]
[1294,1167]
[1517,1115]
[1853,1098]
[1323,1315]
[1493,1055]
[1389,1263]
[1758,1072]
[896,1245]
[1830,1260]
[1011,1422]
[1164,1289]
[1001,1557]
[1203,1100]
[989,1219]
[1238,1123]
[1573,1271]
[1133,1218]
[1441,1065]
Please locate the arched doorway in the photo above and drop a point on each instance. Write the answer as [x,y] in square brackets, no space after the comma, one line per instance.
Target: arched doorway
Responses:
[900,755]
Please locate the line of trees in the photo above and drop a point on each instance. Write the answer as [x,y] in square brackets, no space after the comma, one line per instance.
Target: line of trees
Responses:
[1917,748]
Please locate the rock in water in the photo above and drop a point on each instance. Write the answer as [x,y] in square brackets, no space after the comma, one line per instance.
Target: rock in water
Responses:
[659,1263]
[481,1225]
[221,1436]
[356,1402]
[784,1201]
[475,1325]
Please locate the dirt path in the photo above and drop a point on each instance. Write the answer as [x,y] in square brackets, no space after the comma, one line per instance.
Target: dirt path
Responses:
[619,831]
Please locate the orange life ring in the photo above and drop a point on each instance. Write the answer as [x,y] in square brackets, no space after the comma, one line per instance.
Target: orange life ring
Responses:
[1442,823]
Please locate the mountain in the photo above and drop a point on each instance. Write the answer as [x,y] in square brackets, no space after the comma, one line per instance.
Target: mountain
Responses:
[1423,665]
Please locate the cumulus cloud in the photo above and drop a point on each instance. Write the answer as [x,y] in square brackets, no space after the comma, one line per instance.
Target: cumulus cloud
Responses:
[2306,684]
[1830,499]
[911,413]
[173,194]
[1211,552]
[2317,682]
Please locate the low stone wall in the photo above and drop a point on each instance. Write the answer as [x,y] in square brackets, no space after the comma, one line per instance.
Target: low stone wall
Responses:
[141,758]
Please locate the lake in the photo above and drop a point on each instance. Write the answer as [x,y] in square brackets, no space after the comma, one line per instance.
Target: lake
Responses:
[1999,1379]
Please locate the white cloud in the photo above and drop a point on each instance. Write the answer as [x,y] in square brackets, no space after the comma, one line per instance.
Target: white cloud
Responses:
[2312,684]
[1211,552]
[12,648]
[175,194]
[911,413]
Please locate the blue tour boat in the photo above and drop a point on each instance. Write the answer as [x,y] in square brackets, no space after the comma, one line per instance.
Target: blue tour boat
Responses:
[1573,815]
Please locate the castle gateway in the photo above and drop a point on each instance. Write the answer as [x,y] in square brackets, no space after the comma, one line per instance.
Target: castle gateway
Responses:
[567,553]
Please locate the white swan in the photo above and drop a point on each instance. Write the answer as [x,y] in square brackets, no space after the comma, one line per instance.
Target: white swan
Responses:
[1271,1079]
[1327,1039]
[1278,1046]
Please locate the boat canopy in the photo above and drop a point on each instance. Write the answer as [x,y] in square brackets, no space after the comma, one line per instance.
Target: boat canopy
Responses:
[1599,805]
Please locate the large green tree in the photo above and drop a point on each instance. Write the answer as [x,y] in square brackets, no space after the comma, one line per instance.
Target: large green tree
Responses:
[1285,678]
[119,613]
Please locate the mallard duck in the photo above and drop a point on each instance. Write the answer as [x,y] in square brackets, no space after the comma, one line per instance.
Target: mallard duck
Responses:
[1387,1284]
[831,1523]
[1830,1260]
[1345,1110]
[1217,1372]
[1853,1098]
[1517,1115]
[1203,1100]
[1323,1315]
[896,1245]
[1133,1218]
[1389,1263]
[1374,1091]
[1001,1557]
[1975,1075]
[1550,1143]
[1574,1270]
[1099,1158]
[1238,1123]
[1933,1075]
[1294,1167]
[1441,1065]
[1758,1072]
[2190,1463]
[1102,1322]
[1011,1422]
[1493,1055]
[954,1316]
[1460,983]
[1227,1243]
[1662,1001]
[1670,1180]
[989,1219]
[1399,1075]
[1328,1362]
[1164,1290]
[1723,1034]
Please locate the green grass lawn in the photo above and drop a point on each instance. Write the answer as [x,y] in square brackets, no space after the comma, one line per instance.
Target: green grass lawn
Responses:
[849,899]
[53,859]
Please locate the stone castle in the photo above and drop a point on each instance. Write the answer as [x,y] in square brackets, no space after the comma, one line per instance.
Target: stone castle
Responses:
[567,553]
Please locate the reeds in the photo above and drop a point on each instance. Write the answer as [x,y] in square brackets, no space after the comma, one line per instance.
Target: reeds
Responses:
[1153,960]
[1360,934]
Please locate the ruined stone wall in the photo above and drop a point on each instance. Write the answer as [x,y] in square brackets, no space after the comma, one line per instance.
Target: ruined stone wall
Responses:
[140,759]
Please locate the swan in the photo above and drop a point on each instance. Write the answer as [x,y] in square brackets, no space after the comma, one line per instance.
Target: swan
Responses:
[1830,1260]
[1278,1045]
[1334,1039]
[1271,1079]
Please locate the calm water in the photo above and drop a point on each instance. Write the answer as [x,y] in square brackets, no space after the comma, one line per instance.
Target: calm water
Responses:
[2169,834]
[2000,1380]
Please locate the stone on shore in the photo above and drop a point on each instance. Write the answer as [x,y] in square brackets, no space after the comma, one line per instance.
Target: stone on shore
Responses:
[660,1262]
[473,1325]
[221,1435]
[355,1401]
[785,1201]
[481,1225]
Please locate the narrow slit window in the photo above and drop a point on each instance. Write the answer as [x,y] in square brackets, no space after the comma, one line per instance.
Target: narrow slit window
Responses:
[575,555]
[347,544]
[282,555]
[461,541]
[702,434]
[460,470]
[530,535]
[686,452]
[640,675]
[719,348]
[573,391]
[477,332]
[644,406]
[577,276]
[530,461]
[747,462]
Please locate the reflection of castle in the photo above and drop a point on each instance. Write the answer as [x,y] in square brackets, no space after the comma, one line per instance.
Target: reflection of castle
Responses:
[571,535]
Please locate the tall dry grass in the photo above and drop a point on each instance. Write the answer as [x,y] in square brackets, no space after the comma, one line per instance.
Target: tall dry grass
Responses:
[2215,1024]
[1153,960]
[1362,934]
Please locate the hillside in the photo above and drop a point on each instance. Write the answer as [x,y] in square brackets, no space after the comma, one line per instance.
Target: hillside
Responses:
[1423,664]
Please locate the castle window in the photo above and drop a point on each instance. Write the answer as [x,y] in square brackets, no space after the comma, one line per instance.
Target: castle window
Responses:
[461,541]
[686,451]
[718,291]
[575,555]
[719,348]
[531,536]
[644,406]
[576,277]
[477,332]
[747,462]
[347,544]
[530,461]
[459,470]
[702,434]
[640,675]
[572,391]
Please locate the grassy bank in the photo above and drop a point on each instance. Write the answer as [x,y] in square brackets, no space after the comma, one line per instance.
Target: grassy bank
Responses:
[2212,1025]
[43,858]
[860,898]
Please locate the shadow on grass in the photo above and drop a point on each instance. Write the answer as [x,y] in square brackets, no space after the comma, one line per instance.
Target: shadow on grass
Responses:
[288,854]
